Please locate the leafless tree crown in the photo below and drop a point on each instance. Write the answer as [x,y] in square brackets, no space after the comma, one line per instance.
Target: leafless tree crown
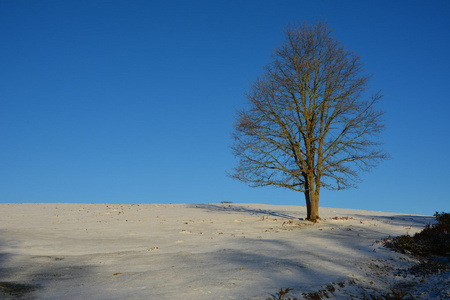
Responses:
[309,122]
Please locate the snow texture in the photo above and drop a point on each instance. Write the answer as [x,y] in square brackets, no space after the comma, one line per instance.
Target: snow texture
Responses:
[204,251]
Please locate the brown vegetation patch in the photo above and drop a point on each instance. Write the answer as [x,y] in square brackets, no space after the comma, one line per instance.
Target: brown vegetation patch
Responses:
[432,240]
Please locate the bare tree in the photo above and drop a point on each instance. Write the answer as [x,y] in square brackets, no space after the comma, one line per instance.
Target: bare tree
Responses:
[309,122]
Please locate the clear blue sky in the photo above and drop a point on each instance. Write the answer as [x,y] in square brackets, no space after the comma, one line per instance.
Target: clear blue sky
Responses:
[133,101]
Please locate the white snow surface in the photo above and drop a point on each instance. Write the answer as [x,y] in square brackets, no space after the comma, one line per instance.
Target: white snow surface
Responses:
[204,251]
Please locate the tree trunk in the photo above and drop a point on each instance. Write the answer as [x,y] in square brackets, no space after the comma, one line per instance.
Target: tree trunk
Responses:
[314,207]
[312,198]
[307,196]
[308,205]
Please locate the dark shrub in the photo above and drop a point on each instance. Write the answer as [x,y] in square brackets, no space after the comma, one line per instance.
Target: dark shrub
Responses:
[432,240]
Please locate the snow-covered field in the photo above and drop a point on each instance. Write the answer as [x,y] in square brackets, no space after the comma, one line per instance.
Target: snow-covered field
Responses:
[203,251]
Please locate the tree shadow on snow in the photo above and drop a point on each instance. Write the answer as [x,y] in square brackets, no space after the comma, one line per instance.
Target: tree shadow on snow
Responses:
[235,208]
[271,264]
[21,276]
[401,219]
[307,263]
[12,289]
